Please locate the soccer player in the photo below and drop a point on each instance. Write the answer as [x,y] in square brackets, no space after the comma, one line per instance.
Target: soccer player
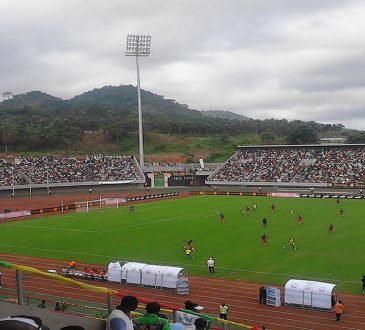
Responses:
[265,239]
[264,222]
[300,219]
[189,251]
[330,228]
[292,243]
[342,212]
[221,217]
[292,214]
[338,200]
[131,209]
[254,206]
[248,211]
[273,207]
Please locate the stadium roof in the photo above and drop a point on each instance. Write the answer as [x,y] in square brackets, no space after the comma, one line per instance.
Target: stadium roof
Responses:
[302,145]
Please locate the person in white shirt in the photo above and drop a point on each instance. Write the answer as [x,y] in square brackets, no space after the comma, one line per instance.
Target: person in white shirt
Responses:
[119,318]
[210,264]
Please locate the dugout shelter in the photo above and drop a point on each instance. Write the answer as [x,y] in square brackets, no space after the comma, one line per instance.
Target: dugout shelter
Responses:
[309,294]
[132,272]
[152,275]
[115,271]
[170,277]
[144,274]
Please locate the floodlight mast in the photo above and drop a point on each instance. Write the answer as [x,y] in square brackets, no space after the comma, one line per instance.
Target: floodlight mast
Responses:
[139,45]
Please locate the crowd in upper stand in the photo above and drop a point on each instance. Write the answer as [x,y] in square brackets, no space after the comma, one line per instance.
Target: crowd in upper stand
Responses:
[336,166]
[343,165]
[63,169]
[8,174]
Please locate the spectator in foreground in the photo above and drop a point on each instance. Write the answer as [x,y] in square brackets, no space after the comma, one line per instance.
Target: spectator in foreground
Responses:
[200,323]
[22,322]
[151,318]
[119,318]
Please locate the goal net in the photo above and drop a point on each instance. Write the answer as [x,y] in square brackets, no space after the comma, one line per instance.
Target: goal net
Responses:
[90,205]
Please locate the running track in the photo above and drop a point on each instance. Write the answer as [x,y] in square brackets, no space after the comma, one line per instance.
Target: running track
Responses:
[242,298]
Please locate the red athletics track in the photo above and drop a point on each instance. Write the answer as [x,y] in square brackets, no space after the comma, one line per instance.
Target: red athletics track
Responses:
[242,298]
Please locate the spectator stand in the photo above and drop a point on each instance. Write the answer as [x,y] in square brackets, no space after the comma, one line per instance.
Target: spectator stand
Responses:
[63,171]
[293,166]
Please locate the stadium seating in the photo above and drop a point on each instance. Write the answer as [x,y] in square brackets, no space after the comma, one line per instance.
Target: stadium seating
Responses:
[64,169]
[303,164]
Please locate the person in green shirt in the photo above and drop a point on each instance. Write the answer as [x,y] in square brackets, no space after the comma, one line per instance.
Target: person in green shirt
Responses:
[151,320]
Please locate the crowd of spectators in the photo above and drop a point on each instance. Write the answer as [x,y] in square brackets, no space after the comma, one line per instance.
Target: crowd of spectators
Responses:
[345,165]
[9,175]
[63,169]
[337,166]
[263,165]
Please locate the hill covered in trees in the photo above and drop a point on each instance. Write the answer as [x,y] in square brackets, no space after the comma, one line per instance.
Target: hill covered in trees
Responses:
[106,120]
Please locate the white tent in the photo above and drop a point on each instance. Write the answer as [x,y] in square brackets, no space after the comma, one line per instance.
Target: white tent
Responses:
[115,271]
[170,276]
[152,275]
[309,293]
[132,272]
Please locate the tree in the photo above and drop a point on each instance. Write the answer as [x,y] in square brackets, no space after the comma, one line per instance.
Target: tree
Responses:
[116,131]
[31,136]
[302,134]
[268,137]
[8,131]
[49,135]
[357,138]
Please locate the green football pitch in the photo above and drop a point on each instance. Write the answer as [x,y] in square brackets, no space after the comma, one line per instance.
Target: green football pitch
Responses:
[158,230]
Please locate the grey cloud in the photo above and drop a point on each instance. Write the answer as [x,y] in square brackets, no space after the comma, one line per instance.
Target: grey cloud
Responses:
[264,59]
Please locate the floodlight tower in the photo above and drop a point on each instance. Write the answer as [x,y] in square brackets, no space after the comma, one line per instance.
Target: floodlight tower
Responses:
[139,45]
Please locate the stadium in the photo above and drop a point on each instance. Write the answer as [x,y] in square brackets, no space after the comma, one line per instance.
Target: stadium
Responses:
[52,216]
[182,165]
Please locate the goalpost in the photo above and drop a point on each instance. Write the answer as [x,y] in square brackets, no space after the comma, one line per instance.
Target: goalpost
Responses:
[89,205]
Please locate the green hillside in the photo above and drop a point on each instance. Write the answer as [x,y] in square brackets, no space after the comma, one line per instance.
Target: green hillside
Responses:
[106,120]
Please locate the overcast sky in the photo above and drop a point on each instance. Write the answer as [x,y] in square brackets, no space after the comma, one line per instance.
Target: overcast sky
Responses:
[292,59]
